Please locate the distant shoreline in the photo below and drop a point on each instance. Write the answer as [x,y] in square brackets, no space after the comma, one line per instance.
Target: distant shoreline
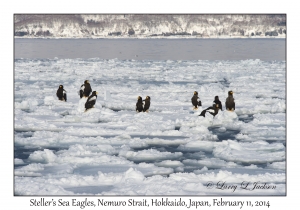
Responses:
[273,37]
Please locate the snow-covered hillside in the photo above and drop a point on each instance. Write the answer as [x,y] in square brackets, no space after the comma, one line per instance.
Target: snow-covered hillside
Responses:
[153,25]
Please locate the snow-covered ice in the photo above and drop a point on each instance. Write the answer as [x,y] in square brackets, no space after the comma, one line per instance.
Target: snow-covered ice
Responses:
[112,150]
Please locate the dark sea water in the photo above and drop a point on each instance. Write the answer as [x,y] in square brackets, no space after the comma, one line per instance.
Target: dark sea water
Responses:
[152,49]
